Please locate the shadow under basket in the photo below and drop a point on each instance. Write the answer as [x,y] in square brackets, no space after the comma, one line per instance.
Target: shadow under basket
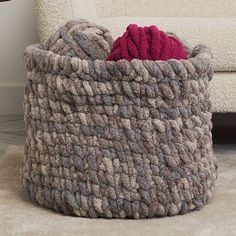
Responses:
[118,139]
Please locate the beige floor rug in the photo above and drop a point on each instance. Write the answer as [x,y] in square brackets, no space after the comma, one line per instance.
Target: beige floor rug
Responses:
[19,216]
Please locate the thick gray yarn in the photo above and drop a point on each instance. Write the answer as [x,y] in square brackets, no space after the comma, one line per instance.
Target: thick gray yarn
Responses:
[81,38]
[118,139]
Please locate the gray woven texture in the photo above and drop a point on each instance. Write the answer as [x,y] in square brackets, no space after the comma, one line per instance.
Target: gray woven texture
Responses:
[81,38]
[118,139]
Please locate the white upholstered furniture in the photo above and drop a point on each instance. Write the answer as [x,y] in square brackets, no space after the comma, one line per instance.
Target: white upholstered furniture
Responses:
[211,22]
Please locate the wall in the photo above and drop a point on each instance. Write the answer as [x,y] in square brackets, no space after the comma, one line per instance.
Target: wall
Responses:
[18,29]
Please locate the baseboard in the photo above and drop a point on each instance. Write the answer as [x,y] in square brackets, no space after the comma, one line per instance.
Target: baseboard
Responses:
[11,99]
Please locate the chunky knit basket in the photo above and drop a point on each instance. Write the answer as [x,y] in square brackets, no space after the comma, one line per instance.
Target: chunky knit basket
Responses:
[118,139]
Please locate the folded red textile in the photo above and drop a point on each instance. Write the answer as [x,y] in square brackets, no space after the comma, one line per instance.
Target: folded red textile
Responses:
[146,43]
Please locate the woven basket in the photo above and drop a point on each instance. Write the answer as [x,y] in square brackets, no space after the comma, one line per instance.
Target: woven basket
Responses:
[118,139]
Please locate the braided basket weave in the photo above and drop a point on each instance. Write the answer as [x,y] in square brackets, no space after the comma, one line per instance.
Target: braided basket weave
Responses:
[118,139]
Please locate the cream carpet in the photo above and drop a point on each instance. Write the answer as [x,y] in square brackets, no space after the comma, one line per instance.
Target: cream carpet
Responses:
[19,216]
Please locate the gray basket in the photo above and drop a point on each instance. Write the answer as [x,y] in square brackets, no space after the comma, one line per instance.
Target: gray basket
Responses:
[118,139]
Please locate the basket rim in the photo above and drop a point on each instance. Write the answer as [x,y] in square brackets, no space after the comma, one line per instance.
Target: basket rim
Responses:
[199,63]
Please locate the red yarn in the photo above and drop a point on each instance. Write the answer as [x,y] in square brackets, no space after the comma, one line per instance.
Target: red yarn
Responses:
[146,43]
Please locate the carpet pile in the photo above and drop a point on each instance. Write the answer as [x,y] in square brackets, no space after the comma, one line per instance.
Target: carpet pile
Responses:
[19,216]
